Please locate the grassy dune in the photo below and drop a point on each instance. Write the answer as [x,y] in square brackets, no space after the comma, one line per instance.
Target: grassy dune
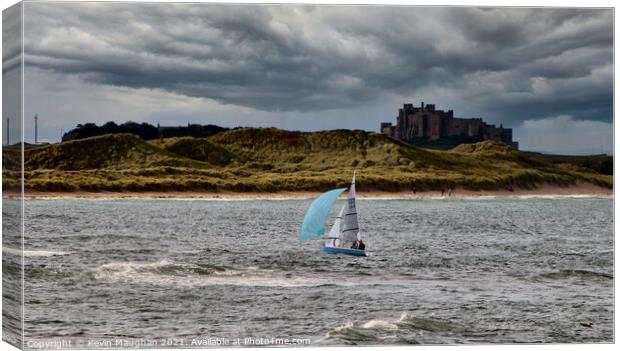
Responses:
[603,164]
[272,160]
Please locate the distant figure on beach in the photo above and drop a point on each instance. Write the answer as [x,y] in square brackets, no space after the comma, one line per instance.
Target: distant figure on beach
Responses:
[442,191]
[449,191]
[414,189]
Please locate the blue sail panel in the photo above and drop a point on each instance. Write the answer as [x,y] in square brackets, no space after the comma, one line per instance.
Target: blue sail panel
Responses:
[314,221]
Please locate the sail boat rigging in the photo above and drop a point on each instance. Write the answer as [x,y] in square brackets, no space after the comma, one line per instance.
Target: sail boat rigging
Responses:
[345,235]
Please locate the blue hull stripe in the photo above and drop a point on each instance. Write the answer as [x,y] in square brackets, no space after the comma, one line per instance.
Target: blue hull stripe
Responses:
[342,250]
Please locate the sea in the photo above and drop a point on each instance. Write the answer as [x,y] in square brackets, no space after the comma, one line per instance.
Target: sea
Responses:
[198,273]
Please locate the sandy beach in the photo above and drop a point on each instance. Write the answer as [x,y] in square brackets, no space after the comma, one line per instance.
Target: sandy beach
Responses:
[580,189]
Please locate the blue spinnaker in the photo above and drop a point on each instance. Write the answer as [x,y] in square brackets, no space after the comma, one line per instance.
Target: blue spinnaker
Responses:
[314,221]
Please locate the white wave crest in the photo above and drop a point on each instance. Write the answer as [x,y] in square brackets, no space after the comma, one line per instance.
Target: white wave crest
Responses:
[379,324]
[32,253]
[165,272]
[374,324]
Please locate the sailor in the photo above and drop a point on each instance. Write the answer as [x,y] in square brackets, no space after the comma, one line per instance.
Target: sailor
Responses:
[361,245]
[354,245]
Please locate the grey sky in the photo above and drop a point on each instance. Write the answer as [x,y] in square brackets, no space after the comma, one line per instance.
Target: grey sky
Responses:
[539,71]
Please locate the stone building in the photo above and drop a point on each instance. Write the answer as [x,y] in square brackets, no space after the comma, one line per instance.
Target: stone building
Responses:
[425,125]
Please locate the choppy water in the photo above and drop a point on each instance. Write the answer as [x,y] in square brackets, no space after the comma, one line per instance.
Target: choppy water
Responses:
[441,271]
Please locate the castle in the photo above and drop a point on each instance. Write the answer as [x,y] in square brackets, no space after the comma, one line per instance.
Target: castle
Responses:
[426,125]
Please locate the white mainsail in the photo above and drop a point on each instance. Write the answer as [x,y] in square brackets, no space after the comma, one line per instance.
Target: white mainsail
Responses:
[333,237]
[350,227]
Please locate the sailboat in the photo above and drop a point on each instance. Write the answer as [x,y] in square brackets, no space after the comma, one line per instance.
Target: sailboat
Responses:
[345,233]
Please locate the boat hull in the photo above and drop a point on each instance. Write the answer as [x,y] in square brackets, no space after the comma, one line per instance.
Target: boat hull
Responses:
[342,250]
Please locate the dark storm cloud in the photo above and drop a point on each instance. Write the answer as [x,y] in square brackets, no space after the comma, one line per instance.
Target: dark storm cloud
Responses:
[11,38]
[516,63]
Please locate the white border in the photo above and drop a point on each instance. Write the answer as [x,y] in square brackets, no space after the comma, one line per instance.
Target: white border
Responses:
[489,3]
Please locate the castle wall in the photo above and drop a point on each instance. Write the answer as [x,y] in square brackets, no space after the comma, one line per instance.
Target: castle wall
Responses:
[498,134]
[475,127]
[459,126]
[417,125]
[434,128]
